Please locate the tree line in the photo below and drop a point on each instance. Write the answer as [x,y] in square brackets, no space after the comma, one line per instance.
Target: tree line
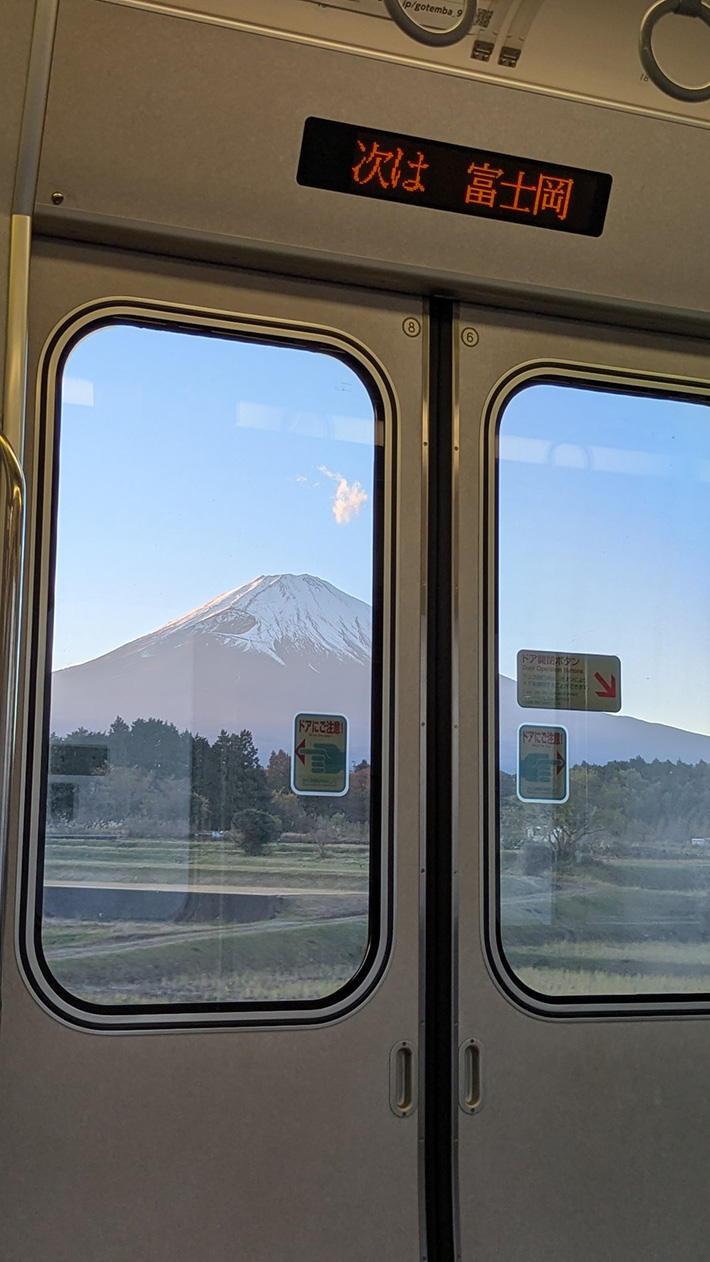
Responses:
[616,808]
[155,780]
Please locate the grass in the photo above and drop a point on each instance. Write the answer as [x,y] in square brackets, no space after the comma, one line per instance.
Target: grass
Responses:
[563,968]
[172,862]
[579,902]
[656,874]
[228,963]
[249,986]
[578,982]
[653,953]
[303,953]
[621,926]
[65,934]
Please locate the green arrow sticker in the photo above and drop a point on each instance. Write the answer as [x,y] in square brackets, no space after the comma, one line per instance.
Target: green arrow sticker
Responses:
[319,765]
[543,772]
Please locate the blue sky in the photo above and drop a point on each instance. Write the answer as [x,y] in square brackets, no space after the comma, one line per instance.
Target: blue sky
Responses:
[605,541]
[192,464]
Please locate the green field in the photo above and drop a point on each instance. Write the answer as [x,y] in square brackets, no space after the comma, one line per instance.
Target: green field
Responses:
[210,963]
[310,945]
[618,926]
[129,861]
[606,968]
[635,925]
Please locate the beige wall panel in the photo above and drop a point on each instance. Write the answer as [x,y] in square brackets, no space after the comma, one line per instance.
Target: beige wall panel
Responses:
[175,124]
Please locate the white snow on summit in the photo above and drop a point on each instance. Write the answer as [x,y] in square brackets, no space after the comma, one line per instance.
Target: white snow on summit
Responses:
[251,658]
[280,615]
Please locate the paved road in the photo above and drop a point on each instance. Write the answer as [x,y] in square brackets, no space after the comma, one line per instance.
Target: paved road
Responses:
[203,889]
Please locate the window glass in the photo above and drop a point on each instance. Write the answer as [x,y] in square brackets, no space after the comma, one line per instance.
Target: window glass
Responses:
[604,692]
[214,580]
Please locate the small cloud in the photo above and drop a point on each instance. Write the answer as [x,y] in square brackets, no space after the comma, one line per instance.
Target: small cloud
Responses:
[78,390]
[348,499]
[300,478]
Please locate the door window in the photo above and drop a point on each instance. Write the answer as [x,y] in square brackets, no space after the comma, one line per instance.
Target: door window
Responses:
[216,551]
[604,692]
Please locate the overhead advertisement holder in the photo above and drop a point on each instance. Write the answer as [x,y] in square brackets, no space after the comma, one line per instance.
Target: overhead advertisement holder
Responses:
[569,681]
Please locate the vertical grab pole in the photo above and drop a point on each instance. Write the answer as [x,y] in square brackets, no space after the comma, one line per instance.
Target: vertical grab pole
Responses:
[12,513]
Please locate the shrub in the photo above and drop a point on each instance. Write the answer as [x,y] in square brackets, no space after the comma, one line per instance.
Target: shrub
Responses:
[257,829]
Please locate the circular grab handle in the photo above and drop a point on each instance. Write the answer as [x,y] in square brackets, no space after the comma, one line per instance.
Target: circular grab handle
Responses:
[435,39]
[686,8]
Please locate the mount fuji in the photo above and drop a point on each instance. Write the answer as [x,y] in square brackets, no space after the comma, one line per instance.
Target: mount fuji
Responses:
[251,658]
[256,656]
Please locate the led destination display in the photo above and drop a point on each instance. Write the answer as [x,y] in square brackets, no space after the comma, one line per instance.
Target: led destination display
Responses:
[391,167]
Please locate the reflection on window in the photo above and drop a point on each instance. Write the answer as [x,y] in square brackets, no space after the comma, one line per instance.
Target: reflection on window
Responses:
[214,578]
[604,533]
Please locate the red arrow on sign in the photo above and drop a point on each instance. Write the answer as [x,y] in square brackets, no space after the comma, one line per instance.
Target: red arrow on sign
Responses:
[608,687]
[298,752]
[560,763]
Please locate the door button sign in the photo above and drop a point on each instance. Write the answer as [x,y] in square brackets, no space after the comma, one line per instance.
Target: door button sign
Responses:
[569,681]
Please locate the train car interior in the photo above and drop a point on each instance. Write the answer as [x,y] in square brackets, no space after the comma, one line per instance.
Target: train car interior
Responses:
[354,823]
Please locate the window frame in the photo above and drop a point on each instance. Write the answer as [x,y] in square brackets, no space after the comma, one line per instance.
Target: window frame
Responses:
[601,378]
[359,358]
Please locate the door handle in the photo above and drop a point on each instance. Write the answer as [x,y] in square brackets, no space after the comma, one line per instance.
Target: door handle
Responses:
[402,1081]
[470,1076]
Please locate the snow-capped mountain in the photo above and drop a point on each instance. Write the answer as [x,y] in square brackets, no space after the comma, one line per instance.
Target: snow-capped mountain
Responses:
[251,658]
[284,643]
[277,614]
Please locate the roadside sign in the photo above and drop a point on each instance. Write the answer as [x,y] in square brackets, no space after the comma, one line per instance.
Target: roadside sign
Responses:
[543,770]
[319,765]
[569,681]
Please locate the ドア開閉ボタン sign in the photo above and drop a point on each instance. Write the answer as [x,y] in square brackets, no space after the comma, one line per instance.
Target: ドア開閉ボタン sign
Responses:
[543,773]
[569,681]
[319,764]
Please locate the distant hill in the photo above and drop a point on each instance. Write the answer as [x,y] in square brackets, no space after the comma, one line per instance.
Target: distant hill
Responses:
[251,658]
[599,738]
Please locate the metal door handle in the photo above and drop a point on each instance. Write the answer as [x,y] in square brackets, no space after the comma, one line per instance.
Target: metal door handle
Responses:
[470,1077]
[402,1087]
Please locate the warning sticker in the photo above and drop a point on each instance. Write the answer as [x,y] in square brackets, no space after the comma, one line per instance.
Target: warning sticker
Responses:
[320,755]
[543,774]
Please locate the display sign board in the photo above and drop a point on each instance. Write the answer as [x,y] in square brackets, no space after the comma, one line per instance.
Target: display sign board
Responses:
[569,681]
[466,180]
[320,755]
[543,773]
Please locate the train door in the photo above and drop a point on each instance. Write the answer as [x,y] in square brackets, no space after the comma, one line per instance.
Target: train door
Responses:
[210,1042]
[224,546]
[581,458]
